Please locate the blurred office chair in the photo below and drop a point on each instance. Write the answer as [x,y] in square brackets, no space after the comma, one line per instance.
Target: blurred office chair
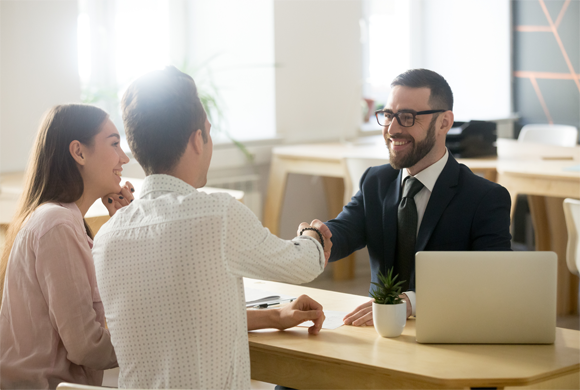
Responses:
[559,135]
[356,166]
[572,215]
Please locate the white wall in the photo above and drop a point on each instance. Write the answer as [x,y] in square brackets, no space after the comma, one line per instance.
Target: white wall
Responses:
[235,39]
[38,69]
[318,75]
[469,43]
[318,55]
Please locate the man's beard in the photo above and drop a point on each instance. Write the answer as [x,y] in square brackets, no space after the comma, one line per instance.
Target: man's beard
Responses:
[420,149]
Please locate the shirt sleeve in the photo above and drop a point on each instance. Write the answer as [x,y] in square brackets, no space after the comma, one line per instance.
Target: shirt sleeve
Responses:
[252,251]
[63,268]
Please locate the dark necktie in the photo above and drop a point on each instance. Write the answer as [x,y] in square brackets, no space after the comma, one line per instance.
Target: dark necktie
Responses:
[407,231]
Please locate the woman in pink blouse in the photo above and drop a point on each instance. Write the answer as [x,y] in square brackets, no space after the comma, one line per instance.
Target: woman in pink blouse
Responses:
[52,323]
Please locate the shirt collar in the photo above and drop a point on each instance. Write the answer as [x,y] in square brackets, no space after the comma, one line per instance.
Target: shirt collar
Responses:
[164,183]
[74,210]
[429,175]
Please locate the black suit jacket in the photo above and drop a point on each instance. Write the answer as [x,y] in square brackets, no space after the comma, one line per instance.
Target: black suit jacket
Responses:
[465,213]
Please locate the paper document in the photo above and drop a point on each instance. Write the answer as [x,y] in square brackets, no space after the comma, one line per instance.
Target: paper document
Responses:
[333,320]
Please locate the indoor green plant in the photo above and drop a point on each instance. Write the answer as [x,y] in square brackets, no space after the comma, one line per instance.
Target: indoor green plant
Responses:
[212,101]
[389,310]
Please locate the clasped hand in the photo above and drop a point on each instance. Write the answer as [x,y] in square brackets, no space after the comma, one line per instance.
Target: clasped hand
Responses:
[324,230]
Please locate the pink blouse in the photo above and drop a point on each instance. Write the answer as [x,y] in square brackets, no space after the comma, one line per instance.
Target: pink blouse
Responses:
[52,321]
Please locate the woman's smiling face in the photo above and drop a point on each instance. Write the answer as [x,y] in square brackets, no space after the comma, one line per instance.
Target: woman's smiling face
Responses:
[104,159]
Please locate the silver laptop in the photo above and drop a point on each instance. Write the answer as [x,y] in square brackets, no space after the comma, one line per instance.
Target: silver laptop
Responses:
[486,297]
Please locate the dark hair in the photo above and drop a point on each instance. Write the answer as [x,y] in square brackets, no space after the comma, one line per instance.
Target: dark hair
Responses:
[441,97]
[160,111]
[52,174]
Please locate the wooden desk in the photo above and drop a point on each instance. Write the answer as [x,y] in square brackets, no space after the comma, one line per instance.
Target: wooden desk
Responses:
[358,358]
[547,184]
[328,161]
[12,186]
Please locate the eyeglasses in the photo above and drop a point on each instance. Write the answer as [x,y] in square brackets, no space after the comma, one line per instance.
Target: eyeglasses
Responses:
[405,118]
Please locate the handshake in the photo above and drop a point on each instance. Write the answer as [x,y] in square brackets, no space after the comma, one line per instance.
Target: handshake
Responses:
[312,230]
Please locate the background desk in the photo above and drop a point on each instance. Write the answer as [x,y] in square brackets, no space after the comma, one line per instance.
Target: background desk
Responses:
[357,357]
[11,187]
[547,184]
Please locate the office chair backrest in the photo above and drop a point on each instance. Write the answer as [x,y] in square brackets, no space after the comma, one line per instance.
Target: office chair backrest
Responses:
[356,166]
[560,135]
[572,214]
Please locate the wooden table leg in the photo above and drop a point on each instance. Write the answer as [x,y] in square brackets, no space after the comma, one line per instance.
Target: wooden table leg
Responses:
[275,195]
[3,229]
[334,190]
[539,214]
[551,235]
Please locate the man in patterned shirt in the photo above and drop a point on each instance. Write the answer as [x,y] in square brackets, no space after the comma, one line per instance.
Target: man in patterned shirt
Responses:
[170,265]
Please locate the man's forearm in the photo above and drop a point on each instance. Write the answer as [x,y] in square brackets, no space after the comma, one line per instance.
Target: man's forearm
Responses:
[261,319]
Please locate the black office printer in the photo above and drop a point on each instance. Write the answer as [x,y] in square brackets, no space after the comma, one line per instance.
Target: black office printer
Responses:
[472,139]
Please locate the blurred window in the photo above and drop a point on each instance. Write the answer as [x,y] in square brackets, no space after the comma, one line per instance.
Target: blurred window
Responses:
[231,60]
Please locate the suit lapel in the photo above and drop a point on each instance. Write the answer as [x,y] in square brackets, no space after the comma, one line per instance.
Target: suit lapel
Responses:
[390,207]
[444,190]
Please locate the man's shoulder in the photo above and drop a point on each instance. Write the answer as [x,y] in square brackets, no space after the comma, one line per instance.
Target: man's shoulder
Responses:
[380,174]
[166,208]
[474,182]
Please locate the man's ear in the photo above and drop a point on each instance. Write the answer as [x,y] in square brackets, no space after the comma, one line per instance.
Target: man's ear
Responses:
[447,121]
[76,150]
[196,141]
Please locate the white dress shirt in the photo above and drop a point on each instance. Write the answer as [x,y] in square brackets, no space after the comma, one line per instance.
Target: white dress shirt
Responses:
[170,268]
[428,177]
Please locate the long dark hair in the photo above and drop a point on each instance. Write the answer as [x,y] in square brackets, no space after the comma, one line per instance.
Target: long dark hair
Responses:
[52,174]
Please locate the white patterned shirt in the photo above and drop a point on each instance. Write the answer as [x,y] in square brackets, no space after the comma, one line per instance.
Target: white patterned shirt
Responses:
[170,267]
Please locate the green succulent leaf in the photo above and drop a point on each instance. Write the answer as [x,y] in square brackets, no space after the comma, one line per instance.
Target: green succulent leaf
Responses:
[387,291]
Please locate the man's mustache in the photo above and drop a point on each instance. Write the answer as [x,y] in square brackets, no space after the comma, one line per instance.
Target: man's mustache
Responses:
[395,137]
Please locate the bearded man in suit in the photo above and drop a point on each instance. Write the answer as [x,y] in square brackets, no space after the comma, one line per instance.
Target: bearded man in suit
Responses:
[424,200]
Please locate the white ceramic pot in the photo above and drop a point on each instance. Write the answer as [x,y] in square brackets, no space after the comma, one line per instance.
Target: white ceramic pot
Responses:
[390,320]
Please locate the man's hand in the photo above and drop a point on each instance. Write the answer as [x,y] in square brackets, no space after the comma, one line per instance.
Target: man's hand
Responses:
[302,309]
[363,314]
[114,202]
[326,235]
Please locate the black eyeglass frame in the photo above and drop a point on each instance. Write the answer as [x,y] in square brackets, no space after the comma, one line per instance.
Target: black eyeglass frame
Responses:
[405,112]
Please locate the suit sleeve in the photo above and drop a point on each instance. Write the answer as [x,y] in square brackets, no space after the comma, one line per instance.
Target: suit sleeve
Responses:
[349,227]
[491,224]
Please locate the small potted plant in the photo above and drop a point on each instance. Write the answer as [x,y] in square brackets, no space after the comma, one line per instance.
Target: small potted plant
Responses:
[389,310]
